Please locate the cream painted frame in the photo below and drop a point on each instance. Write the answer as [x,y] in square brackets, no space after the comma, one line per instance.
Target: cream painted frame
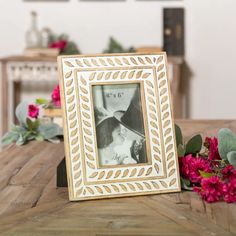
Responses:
[85,179]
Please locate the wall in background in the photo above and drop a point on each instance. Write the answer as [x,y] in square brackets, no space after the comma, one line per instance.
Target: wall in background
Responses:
[210,38]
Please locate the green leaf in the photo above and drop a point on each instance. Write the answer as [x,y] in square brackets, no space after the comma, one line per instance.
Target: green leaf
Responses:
[22,112]
[41,101]
[20,141]
[231,156]
[39,137]
[28,135]
[18,129]
[29,123]
[32,125]
[185,184]
[36,124]
[115,47]
[181,150]
[178,135]
[71,48]
[205,174]
[194,145]
[54,140]
[226,142]
[9,138]
[31,137]
[49,131]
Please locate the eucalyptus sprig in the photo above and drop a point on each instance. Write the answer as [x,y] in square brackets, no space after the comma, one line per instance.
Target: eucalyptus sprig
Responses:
[227,146]
[192,146]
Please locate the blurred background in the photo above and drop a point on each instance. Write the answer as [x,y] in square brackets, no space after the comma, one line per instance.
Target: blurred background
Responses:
[198,35]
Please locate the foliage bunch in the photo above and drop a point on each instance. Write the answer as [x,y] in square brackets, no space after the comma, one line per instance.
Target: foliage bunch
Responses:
[30,127]
[208,168]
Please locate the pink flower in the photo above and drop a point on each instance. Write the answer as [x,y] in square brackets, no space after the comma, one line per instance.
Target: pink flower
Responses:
[212,145]
[197,165]
[185,166]
[190,167]
[229,191]
[60,44]
[33,111]
[211,189]
[228,173]
[56,99]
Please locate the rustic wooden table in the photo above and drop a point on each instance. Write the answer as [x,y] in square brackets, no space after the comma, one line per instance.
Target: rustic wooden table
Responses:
[30,203]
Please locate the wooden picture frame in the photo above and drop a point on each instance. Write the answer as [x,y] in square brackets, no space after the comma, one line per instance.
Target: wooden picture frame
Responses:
[94,169]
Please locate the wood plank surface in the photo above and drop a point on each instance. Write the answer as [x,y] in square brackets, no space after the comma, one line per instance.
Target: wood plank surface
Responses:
[24,58]
[30,203]
[4,98]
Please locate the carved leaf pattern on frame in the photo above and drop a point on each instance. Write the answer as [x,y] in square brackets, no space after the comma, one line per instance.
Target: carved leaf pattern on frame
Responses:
[127,73]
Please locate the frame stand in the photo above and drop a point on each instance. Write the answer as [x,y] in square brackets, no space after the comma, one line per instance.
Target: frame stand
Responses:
[61,174]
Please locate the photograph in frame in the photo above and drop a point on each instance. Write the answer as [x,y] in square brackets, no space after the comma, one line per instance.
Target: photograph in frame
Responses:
[118,126]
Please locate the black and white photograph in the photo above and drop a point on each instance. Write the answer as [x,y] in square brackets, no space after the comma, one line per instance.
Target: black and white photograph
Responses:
[120,130]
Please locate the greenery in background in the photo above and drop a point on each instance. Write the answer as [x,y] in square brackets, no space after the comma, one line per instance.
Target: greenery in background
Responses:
[70,47]
[55,101]
[115,47]
[67,46]
[47,104]
[31,129]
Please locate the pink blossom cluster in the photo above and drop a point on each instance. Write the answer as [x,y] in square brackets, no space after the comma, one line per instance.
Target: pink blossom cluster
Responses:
[190,167]
[33,111]
[60,44]
[56,99]
[220,180]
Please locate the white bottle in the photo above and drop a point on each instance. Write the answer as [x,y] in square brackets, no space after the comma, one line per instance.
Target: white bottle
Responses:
[45,37]
[33,37]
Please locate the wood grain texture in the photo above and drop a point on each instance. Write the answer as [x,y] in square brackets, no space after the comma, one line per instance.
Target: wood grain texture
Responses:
[23,58]
[30,204]
[4,98]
